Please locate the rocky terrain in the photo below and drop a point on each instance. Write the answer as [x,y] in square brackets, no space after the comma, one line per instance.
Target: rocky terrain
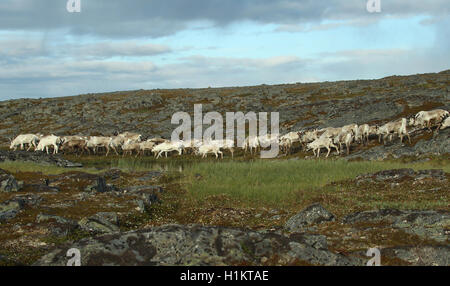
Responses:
[299,105]
[142,217]
[139,218]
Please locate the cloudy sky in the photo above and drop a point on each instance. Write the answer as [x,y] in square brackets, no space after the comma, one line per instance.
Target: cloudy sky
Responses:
[45,51]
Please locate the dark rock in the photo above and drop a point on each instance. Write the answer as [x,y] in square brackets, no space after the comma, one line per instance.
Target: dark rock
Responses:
[145,200]
[37,157]
[373,216]
[112,174]
[150,199]
[30,200]
[314,214]
[100,186]
[196,245]
[42,188]
[5,261]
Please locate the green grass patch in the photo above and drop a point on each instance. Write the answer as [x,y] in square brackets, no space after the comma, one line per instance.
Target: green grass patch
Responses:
[278,182]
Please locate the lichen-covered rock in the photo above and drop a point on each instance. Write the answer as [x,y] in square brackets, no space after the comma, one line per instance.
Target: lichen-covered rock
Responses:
[314,214]
[57,225]
[436,145]
[427,224]
[420,255]
[143,189]
[400,175]
[10,209]
[196,245]
[103,222]
[317,241]
[152,175]
[8,183]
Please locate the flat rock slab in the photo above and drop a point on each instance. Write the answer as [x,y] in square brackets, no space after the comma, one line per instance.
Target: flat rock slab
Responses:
[103,222]
[421,255]
[426,224]
[37,157]
[199,245]
[399,175]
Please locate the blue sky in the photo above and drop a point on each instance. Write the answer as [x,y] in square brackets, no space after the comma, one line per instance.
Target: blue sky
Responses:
[125,45]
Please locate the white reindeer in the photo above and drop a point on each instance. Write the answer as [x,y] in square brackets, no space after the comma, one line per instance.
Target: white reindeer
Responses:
[424,118]
[50,140]
[24,139]
[322,142]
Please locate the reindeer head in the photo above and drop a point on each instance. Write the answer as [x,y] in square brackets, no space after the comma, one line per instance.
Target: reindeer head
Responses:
[11,146]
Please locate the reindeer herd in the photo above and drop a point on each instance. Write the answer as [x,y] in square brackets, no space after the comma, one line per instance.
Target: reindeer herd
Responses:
[314,139]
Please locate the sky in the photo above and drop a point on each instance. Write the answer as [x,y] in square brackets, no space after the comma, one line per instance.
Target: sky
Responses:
[113,45]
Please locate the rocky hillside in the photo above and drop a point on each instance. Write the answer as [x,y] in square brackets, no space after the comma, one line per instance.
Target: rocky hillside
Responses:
[300,105]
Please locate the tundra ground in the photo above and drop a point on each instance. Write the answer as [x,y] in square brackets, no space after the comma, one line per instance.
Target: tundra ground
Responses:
[258,195]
